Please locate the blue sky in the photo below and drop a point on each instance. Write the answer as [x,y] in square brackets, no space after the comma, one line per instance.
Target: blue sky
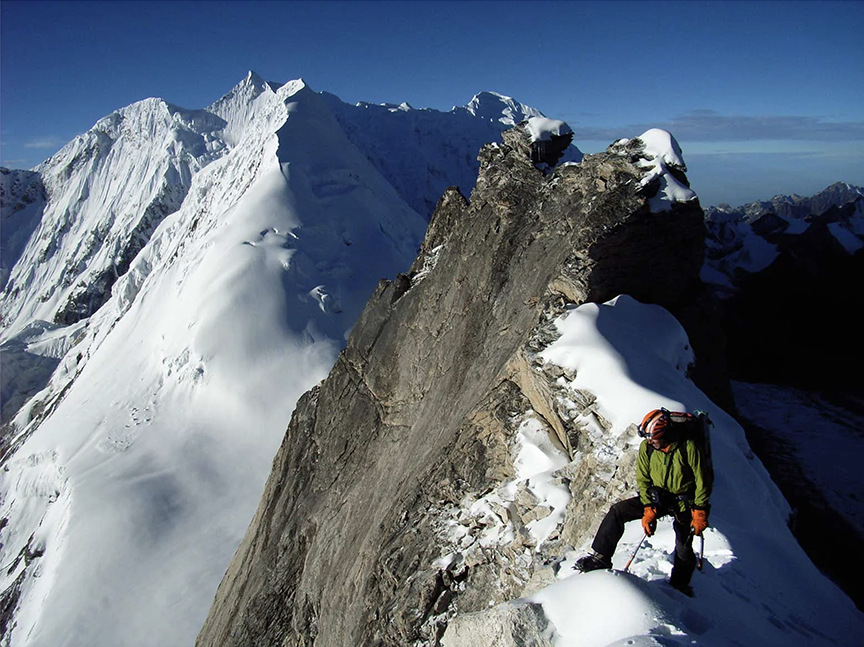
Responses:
[764,97]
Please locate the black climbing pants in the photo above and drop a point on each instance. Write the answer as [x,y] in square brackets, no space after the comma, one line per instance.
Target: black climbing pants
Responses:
[612,528]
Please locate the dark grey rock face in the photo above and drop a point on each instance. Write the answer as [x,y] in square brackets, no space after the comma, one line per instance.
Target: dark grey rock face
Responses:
[418,411]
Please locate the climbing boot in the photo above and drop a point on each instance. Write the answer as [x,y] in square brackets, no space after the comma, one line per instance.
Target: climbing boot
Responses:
[593,562]
[685,588]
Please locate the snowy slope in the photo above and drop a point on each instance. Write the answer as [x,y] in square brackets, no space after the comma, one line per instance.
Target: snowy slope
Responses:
[757,586]
[127,496]
[421,152]
[253,232]
[833,464]
[192,272]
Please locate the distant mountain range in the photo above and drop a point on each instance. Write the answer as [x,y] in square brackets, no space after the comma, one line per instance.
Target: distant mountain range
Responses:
[747,239]
[793,206]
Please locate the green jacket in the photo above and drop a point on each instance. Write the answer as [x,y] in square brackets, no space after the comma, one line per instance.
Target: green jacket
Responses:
[681,470]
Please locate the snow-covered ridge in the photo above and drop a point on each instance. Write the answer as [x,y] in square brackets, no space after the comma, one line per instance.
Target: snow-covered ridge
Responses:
[106,191]
[239,106]
[757,585]
[264,230]
[149,447]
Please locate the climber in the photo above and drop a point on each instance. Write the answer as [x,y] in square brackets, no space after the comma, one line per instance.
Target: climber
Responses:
[674,477]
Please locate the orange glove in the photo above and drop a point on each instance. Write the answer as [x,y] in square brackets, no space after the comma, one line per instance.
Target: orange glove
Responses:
[649,520]
[700,521]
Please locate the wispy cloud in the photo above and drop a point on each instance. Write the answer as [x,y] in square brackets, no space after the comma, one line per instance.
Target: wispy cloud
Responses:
[44,142]
[710,126]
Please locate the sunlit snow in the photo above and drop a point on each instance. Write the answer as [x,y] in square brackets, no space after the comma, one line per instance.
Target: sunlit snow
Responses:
[757,586]
[543,129]
[239,304]
[664,153]
[137,488]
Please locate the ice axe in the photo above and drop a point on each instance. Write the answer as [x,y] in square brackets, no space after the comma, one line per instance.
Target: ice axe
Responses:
[700,556]
[633,556]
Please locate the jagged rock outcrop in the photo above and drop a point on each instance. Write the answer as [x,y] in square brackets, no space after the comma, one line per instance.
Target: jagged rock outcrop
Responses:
[353,542]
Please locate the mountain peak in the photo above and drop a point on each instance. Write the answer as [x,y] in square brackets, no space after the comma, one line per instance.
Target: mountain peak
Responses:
[253,77]
[251,87]
[496,107]
[237,107]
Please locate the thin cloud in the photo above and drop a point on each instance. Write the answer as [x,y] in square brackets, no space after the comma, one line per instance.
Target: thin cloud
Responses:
[710,126]
[45,142]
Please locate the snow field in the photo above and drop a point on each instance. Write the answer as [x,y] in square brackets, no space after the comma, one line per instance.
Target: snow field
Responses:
[137,489]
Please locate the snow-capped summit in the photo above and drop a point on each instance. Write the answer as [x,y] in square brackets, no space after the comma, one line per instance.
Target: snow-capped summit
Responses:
[108,189]
[238,106]
[190,273]
[495,107]
[665,164]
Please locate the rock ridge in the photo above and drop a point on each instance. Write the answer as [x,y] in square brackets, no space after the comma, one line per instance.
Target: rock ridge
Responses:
[351,543]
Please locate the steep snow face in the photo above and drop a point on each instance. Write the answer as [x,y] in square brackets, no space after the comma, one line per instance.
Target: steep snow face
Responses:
[421,152]
[107,190]
[127,496]
[239,106]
